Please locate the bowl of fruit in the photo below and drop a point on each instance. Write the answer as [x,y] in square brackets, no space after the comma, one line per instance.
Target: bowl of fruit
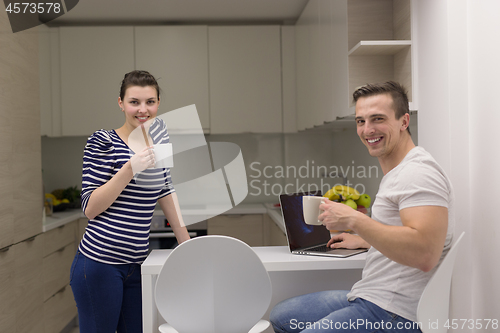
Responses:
[63,199]
[350,197]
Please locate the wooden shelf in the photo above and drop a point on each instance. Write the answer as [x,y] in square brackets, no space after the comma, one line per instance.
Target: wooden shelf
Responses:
[379,47]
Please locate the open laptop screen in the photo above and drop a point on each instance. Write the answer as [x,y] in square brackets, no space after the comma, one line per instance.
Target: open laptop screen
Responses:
[300,235]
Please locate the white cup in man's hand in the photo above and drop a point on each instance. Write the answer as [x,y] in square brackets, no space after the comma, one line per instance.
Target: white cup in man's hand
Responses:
[310,209]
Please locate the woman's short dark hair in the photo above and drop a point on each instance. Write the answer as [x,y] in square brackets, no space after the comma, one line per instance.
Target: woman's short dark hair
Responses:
[141,79]
[396,90]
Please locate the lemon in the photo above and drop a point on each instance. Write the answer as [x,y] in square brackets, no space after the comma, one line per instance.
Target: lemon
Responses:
[50,196]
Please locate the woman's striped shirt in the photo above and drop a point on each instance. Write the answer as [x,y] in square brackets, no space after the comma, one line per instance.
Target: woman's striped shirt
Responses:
[120,234]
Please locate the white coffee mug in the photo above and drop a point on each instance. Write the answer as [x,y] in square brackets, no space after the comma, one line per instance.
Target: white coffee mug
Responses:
[310,209]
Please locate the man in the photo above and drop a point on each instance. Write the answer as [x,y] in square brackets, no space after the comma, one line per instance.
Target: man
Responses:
[409,233]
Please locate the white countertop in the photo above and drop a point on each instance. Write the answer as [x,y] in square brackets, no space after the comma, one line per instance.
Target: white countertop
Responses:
[61,218]
[274,258]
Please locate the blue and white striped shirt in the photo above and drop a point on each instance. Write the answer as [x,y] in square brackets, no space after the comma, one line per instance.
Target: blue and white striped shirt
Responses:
[120,234]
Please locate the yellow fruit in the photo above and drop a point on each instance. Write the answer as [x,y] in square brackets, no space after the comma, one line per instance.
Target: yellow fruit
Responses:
[50,196]
[64,201]
[331,195]
[346,192]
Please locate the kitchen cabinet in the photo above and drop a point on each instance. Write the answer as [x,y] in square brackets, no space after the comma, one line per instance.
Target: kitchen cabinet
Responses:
[82,68]
[343,44]
[7,291]
[248,228]
[288,79]
[21,287]
[93,61]
[178,57]
[321,42]
[50,82]
[58,251]
[273,235]
[253,229]
[379,42]
[245,79]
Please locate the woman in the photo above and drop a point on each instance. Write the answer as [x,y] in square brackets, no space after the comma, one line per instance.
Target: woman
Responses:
[105,274]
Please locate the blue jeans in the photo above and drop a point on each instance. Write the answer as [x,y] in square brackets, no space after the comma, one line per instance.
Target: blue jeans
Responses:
[108,297]
[330,311]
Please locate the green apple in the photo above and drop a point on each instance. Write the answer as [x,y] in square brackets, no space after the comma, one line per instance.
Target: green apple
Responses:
[350,203]
[364,200]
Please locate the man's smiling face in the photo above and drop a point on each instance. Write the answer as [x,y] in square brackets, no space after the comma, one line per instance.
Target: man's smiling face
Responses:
[377,126]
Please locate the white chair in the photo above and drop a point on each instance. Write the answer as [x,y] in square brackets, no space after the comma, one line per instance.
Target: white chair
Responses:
[435,300]
[213,284]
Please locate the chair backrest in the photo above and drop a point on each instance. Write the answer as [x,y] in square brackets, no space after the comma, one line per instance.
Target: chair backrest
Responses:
[435,300]
[213,284]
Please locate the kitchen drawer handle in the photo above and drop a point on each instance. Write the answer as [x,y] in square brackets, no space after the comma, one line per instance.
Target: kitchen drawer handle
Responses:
[30,239]
[5,249]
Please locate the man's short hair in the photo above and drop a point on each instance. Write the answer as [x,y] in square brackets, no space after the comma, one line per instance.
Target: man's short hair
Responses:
[397,91]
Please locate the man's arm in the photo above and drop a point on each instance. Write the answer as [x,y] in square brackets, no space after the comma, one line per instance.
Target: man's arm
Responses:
[417,243]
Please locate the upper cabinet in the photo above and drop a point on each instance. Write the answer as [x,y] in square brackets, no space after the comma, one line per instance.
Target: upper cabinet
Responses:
[344,44]
[379,42]
[178,57]
[245,79]
[93,62]
[233,74]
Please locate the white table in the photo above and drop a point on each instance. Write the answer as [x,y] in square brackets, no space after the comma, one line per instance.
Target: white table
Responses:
[291,275]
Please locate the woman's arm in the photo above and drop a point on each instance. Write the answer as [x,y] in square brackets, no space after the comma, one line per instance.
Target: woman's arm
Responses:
[170,206]
[103,196]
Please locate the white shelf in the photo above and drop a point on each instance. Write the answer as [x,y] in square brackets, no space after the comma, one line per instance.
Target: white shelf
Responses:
[379,47]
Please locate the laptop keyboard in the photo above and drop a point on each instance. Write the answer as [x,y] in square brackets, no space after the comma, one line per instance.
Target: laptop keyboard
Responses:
[319,248]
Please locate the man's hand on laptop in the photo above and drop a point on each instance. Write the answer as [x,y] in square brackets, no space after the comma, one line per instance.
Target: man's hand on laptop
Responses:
[347,241]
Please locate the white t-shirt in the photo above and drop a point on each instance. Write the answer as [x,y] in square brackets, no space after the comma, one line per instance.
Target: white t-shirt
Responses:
[417,181]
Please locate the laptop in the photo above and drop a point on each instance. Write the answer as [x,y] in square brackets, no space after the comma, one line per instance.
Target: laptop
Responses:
[307,239]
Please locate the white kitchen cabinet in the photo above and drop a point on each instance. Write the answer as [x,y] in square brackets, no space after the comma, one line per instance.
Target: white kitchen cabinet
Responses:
[321,34]
[92,64]
[178,56]
[245,79]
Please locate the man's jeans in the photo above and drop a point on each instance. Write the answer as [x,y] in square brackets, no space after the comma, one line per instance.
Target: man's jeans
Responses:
[330,311]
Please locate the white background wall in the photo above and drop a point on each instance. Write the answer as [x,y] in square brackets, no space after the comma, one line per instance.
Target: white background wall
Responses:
[458,73]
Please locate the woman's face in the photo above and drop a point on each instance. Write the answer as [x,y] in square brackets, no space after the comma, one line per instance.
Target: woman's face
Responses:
[139,104]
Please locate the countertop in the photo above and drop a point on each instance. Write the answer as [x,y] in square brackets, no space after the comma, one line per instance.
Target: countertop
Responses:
[274,258]
[61,218]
